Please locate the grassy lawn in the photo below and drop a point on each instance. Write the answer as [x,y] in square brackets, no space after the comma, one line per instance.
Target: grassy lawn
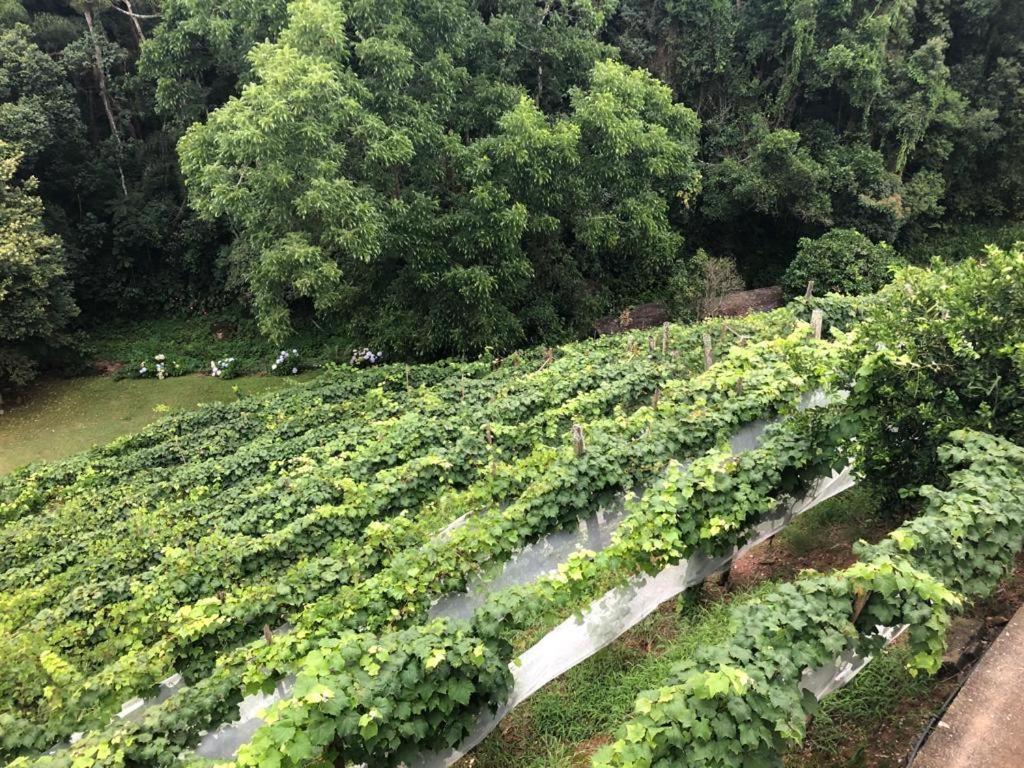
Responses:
[59,417]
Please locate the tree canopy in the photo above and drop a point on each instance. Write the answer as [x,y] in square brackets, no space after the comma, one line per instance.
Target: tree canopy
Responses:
[360,171]
[444,176]
[35,295]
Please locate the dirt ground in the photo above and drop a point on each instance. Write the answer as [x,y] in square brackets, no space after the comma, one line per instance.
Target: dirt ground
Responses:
[894,738]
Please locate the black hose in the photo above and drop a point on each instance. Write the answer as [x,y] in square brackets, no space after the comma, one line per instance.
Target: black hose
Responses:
[965,672]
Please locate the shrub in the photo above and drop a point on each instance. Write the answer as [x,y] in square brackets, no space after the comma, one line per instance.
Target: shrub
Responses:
[962,240]
[223,369]
[697,289]
[939,349]
[159,368]
[365,357]
[287,363]
[840,261]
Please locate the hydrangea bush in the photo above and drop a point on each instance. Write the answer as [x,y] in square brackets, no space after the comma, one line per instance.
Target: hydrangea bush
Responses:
[223,369]
[286,364]
[365,357]
[159,368]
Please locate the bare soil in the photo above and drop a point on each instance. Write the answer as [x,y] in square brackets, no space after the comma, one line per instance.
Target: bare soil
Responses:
[893,739]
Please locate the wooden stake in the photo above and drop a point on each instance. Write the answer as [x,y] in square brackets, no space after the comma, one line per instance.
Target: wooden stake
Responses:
[578,445]
[817,318]
[709,355]
[268,635]
[810,290]
[858,606]
[656,397]
[549,356]
[664,339]
[489,435]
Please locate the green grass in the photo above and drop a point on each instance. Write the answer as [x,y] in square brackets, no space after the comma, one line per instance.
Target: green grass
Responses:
[592,699]
[59,417]
[847,725]
[844,517]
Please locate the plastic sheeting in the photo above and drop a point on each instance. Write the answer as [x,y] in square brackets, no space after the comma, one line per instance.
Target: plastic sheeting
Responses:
[568,644]
[540,557]
[620,609]
[821,681]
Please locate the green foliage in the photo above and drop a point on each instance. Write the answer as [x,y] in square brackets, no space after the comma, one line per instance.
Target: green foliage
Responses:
[840,261]
[969,531]
[346,509]
[831,113]
[196,55]
[12,12]
[35,296]
[37,109]
[450,176]
[338,201]
[196,340]
[962,241]
[850,718]
[740,702]
[938,350]
[381,699]
[252,532]
[698,286]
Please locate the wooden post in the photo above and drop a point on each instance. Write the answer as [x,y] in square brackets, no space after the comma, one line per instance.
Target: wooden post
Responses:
[650,344]
[489,435]
[578,445]
[664,338]
[817,318]
[549,356]
[858,605]
[709,355]
[268,635]
[408,380]
[810,290]
[656,397]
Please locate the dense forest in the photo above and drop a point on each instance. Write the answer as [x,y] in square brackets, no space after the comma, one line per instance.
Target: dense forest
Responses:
[442,176]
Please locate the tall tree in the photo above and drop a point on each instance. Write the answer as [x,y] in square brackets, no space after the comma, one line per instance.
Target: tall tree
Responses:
[384,164]
[35,295]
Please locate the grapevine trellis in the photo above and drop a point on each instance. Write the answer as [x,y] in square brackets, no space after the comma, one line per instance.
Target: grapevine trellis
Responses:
[306,536]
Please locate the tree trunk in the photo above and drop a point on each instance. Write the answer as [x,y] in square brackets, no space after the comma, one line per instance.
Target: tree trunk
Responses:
[101,81]
[139,36]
